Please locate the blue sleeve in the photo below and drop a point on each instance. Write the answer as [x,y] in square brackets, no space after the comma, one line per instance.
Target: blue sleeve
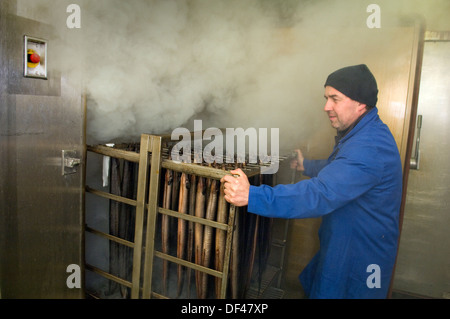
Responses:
[341,181]
[313,167]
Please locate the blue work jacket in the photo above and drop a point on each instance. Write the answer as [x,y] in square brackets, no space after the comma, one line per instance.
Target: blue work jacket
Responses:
[357,191]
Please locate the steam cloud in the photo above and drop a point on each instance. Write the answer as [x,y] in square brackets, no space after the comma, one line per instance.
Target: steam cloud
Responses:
[170,61]
[150,66]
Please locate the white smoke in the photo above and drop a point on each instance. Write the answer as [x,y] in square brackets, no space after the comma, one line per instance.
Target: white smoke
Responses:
[150,66]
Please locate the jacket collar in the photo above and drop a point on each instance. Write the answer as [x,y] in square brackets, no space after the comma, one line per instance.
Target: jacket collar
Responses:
[356,126]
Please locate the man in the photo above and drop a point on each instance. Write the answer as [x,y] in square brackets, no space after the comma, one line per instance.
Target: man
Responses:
[357,191]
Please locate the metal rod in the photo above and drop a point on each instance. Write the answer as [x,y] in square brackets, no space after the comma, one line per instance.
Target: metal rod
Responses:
[156,295]
[192,218]
[155,142]
[110,237]
[111,196]
[140,207]
[186,263]
[188,168]
[114,152]
[204,171]
[109,276]
[227,256]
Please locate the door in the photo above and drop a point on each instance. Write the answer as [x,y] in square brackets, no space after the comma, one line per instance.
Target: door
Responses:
[423,264]
[392,54]
[41,249]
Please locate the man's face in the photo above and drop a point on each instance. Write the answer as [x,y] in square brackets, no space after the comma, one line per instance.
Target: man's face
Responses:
[342,110]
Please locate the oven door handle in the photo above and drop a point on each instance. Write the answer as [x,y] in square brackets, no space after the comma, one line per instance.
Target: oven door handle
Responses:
[414,163]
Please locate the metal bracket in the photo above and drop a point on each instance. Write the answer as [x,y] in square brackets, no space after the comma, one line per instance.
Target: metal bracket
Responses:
[69,162]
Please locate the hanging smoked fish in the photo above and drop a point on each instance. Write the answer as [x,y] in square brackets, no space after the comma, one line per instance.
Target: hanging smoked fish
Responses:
[234,261]
[190,241]
[251,261]
[235,253]
[253,228]
[182,230]
[127,219]
[208,233]
[198,231]
[222,217]
[114,210]
[174,204]
[165,224]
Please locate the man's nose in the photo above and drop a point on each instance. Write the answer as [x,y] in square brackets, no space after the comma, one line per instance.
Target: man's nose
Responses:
[327,106]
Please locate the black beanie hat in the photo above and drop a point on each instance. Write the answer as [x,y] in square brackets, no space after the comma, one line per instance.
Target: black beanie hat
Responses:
[356,82]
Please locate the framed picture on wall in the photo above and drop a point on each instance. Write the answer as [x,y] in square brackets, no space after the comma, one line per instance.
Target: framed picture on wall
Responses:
[35,58]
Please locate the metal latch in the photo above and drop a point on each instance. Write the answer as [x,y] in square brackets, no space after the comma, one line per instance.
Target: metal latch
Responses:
[69,162]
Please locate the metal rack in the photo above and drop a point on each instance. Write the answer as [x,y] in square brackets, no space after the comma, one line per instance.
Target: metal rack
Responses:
[150,162]
[270,285]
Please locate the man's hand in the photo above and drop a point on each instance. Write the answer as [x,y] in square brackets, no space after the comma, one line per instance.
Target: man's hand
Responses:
[236,188]
[297,163]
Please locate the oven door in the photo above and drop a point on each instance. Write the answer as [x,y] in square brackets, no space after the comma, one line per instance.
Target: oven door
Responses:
[41,193]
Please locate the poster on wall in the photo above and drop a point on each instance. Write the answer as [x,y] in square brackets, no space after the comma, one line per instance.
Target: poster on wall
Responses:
[35,58]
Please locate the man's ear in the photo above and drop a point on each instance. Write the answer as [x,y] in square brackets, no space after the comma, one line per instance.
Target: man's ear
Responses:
[361,107]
